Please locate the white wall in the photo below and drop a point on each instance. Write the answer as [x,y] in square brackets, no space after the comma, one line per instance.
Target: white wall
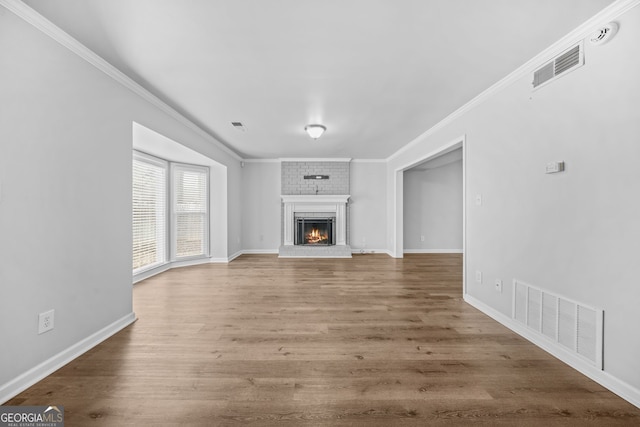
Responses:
[150,142]
[65,201]
[575,233]
[368,216]
[433,207]
[261,213]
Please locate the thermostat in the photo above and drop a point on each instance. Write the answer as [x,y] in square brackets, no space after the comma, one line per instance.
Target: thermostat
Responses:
[555,167]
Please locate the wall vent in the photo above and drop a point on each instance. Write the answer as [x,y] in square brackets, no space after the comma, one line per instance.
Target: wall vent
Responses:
[568,60]
[566,323]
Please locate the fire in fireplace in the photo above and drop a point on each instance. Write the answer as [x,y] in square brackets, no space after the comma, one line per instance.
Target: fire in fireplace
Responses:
[315,231]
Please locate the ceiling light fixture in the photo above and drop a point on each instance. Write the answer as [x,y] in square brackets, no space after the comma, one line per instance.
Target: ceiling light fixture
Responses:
[315,131]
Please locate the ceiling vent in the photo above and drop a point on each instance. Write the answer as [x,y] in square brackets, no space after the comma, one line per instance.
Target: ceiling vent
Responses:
[238,126]
[569,60]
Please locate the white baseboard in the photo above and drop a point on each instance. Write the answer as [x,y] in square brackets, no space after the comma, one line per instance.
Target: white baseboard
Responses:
[150,273]
[49,366]
[190,262]
[614,384]
[433,251]
[168,266]
[367,251]
[234,256]
[259,251]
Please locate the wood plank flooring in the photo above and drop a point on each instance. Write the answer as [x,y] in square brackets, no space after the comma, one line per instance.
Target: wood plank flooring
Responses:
[368,341]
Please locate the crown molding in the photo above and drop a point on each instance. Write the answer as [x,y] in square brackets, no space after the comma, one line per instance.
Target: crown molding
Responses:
[609,13]
[369,161]
[311,159]
[39,22]
[314,160]
[261,160]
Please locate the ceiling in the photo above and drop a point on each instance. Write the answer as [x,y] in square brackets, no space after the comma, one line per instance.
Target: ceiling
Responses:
[376,73]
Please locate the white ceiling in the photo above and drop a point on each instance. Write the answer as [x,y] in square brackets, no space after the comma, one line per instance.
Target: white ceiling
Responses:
[377,73]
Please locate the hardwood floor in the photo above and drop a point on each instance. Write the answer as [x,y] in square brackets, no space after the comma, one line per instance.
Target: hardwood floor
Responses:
[365,341]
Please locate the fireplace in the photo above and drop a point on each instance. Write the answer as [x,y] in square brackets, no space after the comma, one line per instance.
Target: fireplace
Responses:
[314,226]
[315,231]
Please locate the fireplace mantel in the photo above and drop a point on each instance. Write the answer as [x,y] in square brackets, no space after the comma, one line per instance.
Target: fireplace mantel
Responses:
[312,198]
[335,204]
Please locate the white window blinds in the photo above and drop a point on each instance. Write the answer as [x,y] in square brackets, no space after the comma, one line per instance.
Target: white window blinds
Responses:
[190,211]
[149,212]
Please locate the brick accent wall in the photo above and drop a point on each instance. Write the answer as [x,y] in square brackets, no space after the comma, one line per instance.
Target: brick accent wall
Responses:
[293,182]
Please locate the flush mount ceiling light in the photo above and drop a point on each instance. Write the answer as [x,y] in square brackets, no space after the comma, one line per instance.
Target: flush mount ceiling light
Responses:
[315,131]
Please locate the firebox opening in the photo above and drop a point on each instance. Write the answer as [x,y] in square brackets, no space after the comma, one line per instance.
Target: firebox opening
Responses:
[315,231]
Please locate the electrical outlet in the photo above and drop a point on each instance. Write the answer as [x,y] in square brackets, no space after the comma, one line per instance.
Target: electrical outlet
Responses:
[422,238]
[478,276]
[498,285]
[45,321]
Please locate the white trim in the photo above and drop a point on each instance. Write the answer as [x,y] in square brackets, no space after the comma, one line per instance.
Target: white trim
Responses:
[313,199]
[622,389]
[262,160]
[163,235]
[450,146]
[362,251]
[234,256]
[314,160]
[316,257]
[464,214]
[369,161]
[434,251]
[47,27]
[37,373]
[189,262]
[311,159]
[398,188]
[276,251]
[336,204]
[151,272]
[397,232]
[606,15]
[173,215]
[176,264]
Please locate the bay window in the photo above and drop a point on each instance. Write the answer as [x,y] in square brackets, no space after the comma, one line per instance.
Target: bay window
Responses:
[170,212]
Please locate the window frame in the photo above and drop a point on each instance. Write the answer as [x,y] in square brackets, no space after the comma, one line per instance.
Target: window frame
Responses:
[170,216]
[173,216]
[163,164]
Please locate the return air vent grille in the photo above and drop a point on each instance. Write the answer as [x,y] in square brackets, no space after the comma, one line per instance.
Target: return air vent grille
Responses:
[564,62]
[568,324]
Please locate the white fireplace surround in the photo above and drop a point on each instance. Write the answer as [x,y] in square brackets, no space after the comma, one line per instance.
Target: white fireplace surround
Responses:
[334,204]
